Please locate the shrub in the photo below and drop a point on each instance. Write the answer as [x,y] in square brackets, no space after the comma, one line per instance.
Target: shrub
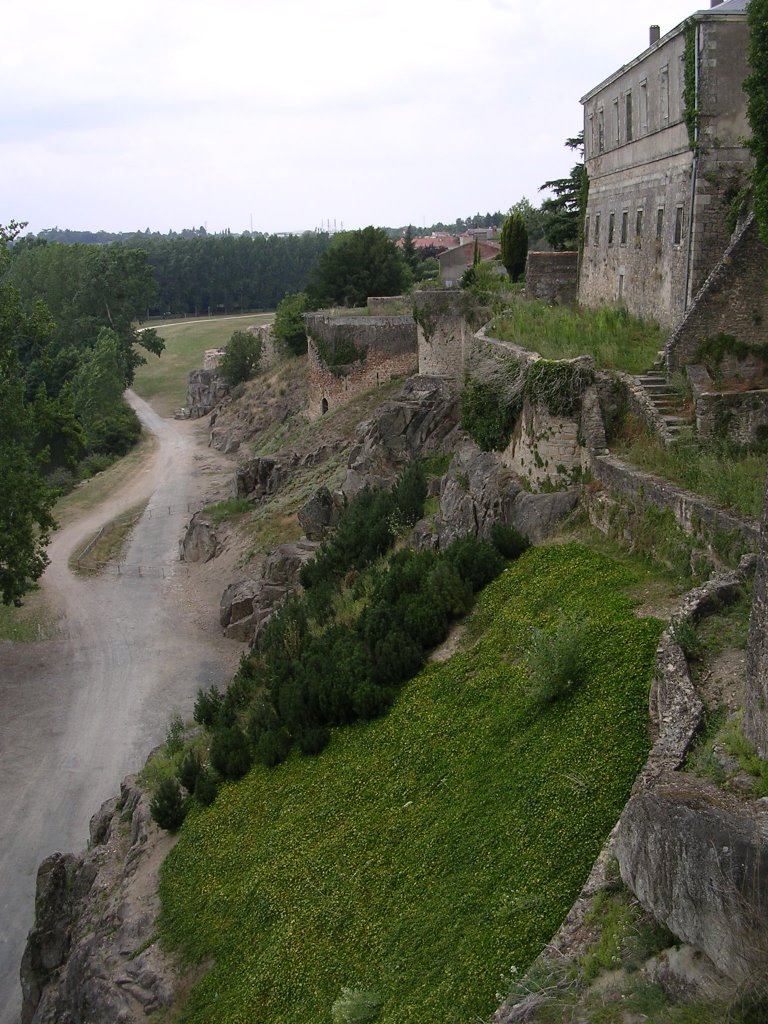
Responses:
[356,1006]
[410,493]
[685,635]
[174,737]
[273,747]
[289,322]
[189,770]
[476,560]
[241,358]
[207,706]
[508,541]
[167,806]
[313,739]
[486,415]
[205,789]
[230,752]
[557,660]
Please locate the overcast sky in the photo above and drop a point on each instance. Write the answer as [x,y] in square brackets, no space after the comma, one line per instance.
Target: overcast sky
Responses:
[286,114]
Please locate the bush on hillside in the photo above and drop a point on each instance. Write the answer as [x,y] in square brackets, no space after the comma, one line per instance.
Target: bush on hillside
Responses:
[167,807]
[557,660]
[508,541]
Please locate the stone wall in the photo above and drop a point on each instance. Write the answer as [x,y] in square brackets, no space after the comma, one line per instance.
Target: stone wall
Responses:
[733,300]
[696,516]
[738,416]
[756,688]
[552,276]
[270,348]
[387,346]
[388,305]
[447,321]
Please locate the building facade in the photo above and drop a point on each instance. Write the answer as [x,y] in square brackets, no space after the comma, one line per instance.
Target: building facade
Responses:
[664,150]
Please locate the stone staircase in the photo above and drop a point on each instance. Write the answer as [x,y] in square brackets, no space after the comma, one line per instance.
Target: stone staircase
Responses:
[667,403]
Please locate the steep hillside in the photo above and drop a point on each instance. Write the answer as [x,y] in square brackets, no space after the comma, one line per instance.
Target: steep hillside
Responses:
[422,855]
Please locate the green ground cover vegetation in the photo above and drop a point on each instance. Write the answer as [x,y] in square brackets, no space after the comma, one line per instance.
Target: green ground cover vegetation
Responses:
[425,852]
[613,337]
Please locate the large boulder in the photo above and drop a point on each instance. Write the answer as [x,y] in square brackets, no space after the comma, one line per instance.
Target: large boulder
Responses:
[697,859]
[205,390]
[199,543]
[262,476]
[320,514]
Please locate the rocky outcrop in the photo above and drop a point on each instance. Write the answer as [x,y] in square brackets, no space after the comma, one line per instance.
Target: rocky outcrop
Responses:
[479,491]
[756,688]
[420,420]
[199,543]
[697,859]
[320,514]
[247,606]
[205,390]
[262,476]
[92,954]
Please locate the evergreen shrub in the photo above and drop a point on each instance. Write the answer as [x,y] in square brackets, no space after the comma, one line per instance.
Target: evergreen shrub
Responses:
[167,807]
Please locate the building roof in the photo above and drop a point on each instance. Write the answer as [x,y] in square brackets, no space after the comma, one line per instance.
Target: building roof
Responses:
[737,7]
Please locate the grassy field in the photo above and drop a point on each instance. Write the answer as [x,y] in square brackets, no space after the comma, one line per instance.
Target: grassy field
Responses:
[423,855]
[163,381]
[615,339]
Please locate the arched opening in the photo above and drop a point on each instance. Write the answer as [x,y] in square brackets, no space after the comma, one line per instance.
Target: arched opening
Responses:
[324,406]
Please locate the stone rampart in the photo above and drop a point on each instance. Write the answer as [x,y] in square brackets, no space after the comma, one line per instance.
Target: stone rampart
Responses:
[270,349]
[756,688]
[733,300]
[447,322]
[552,276]
[386,347]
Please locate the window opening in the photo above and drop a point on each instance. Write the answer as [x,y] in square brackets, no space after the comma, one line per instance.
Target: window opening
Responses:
[628,115]
[659,223]
[624,227]
[611,225]
[678,225]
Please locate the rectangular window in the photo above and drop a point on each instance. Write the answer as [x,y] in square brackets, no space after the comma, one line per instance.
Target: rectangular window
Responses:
[639,224]
[597,229]
[664,95]
[611,225]
[591,144]
[615,125]
[659,223]
[586,231]
[601,130]
[628,115]
[624,227]
[643,107]
[621,287]
[678,225]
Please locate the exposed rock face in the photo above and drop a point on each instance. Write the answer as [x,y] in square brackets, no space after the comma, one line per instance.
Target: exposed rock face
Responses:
[321,513]
[92,954]
[756,690]
[262,476]
[248,605]
[479,491]
[418,421]
[199,543]
[697,859]
[205,389]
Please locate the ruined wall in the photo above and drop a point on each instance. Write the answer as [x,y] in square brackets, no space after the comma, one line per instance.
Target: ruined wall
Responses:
[733,300]
[270,349]
[738,416]
[387,346]
[756,686]
[447,321]
[552,276]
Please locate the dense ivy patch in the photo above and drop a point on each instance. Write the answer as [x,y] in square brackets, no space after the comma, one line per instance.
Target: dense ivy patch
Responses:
[425,853]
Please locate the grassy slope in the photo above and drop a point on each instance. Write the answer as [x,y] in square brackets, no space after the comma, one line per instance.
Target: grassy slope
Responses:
[424,854]
[163,380]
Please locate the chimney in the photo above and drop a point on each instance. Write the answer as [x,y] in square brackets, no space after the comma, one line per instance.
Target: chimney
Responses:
[715,3]
[655,34]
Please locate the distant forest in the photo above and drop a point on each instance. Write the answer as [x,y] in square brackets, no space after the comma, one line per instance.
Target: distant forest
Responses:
[196,272]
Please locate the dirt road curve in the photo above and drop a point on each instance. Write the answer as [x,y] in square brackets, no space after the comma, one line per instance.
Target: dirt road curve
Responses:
[80,712]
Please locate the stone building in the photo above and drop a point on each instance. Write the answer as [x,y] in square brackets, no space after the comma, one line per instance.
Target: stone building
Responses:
[664,150]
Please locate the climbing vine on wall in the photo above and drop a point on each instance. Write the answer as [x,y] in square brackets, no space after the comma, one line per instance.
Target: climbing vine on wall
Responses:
[756,88]
[691,111]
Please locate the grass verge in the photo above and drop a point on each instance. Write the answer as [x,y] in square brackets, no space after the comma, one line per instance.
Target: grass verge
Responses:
[163,379]
[615,339]
[733,477]
[423,853]
[32,622]
[107,544]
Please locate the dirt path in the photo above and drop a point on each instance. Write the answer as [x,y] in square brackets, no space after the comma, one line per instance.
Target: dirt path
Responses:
[82,711]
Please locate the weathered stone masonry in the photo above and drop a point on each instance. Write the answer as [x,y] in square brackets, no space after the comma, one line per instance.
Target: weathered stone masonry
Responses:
[387,346]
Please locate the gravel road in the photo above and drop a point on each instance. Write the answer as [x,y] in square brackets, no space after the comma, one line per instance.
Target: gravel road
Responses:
[82,711]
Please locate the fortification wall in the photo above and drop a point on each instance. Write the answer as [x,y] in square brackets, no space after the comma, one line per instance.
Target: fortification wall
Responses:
[447,322]
[270,349]
[733,300]
[386,348]
[552,276]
